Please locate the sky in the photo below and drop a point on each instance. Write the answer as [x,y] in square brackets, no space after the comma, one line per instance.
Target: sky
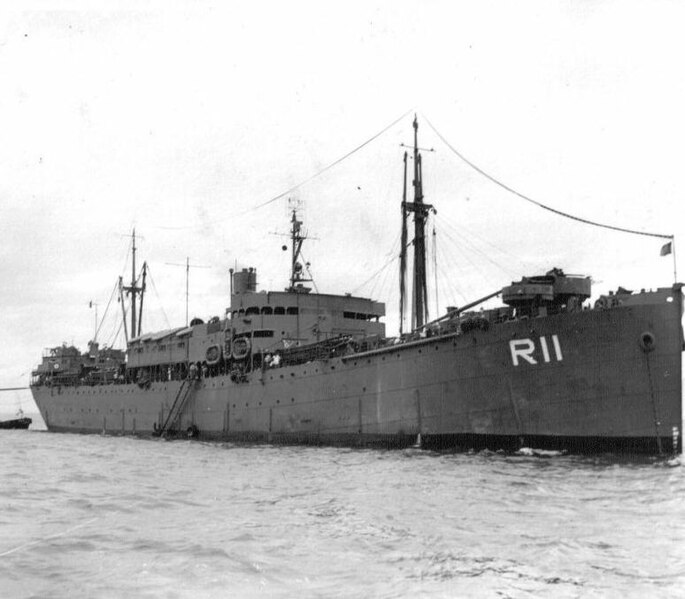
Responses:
[180,118]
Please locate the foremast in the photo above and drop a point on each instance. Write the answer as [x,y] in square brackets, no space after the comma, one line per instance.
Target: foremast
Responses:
[297,237]
[134,290]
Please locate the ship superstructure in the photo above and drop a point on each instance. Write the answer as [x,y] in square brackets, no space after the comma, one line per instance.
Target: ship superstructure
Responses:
[546,368]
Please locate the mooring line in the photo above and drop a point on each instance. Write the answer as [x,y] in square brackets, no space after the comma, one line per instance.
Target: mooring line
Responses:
[49,538]
[64,532]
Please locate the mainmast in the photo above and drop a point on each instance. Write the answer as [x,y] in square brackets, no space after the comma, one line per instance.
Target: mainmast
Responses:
[403,246]
[421,211]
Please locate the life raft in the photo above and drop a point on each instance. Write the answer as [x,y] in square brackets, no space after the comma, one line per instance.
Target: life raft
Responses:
[213,354]
[241,348]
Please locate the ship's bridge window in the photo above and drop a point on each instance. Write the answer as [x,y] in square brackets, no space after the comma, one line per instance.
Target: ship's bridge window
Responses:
[293,310]
[251,310]
[267,310]
[348,315]
[241,312]
[361,316]
[279,310]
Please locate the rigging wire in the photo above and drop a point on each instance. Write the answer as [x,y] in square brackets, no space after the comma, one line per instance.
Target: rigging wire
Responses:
[435,270]
[462,231]
[309,272]
[470,245]
[128,251]
[540,204]
[386,283]
[375,274]
[116,336]
[154,287]
[379,281]
[474,249]
[111,297]
[149,272]
[453,294]
[112,334]
[328,167]
[380,270]
[102,320]
[453,288]
[460,250]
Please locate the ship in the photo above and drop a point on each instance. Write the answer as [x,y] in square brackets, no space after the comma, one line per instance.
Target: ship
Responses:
[547,368]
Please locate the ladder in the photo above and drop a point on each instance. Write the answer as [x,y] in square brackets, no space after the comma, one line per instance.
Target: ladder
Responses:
[174,415]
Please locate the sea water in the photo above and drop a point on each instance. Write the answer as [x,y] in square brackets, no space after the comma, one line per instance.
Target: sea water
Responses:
[107,516]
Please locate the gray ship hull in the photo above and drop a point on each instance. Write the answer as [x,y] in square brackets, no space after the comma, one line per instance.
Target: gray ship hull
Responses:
[587,381]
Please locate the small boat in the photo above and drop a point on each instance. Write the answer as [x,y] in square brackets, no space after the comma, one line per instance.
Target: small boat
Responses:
[20,422]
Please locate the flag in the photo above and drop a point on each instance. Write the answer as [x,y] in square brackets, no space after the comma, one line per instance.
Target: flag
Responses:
[90,304]
[666,249]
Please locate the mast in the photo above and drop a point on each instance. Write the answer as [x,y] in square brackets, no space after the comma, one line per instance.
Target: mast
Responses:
[420,210]
[403,247]
[123,307]
[188,266]
[297,237]
[142,297]
[133,289]
[95,327]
